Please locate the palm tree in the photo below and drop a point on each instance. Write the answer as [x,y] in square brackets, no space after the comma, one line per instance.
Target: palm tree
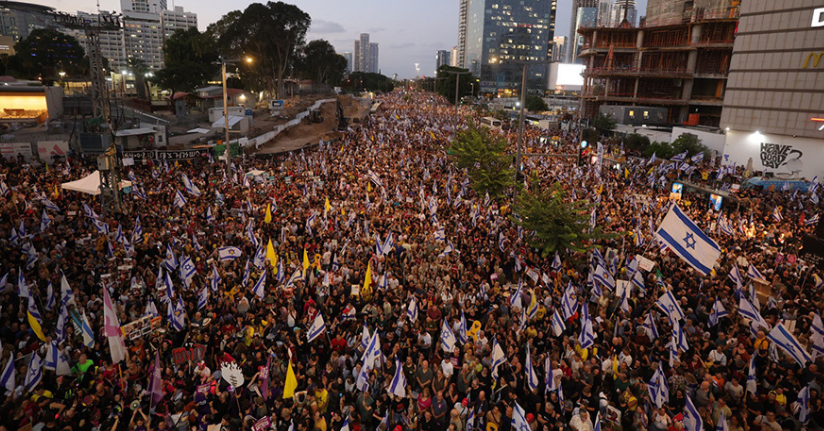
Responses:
[139,68]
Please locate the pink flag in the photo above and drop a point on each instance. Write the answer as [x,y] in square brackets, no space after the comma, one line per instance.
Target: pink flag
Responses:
[111,327]
[264,378]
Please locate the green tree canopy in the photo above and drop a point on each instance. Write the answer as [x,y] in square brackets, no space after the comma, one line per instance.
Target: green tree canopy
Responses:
[318,61]
[686,142]
[46,53]
[270,34]
[535,104]
[189,57]
[603,123]
[358,81]
[485,158]
[446,83]
[558,223]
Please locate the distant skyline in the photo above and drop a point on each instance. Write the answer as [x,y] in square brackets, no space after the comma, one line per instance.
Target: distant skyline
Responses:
[408,31]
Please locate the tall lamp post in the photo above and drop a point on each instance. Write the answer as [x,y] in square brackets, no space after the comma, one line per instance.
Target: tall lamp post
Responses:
[457,86]
[223,63]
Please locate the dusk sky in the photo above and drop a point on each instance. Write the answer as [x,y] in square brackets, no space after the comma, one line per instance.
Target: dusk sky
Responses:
[408,31]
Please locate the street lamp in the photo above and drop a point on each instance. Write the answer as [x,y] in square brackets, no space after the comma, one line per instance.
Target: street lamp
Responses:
[457,86]
[223,63]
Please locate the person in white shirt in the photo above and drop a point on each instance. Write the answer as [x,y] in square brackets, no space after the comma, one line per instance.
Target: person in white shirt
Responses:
[718,356]
[581,421]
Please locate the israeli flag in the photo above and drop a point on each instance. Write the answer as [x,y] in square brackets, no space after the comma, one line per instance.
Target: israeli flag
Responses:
[817,336]
[752,380]
[549,378]
[603,276]
[171,260]
[448,340]
[440,234]
[754,274]
[638,281]
[203,298]
[718,311]
[7,378]
[397,386]
[51,301]
[180,200]
[804,405]
[247,273]
[679,339]
[688,241]
[787,342]
[462,336]
[412,310]
[697,158]
[558,326]
[735,276]
[515,299]
[365,337]
[776,214]
[86,330]
[187,270]
[449,249]
[747,310]
[679,157]
[812,220]
[228,253]
[498,358]
[519,422]
[50,205]
[659,388]
[569,303]
[190,187]
[151,309]
[587,337]
[531,375]
[692,419]
[35,373]
[260,286]
[669,305]
[650,328]
[317,328]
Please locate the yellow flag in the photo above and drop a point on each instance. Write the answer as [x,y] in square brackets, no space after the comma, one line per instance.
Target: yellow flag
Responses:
[291,383]
[47,168]
[369,186]
[367,282]
[270,254]
[626,173]
[305,261]
[433,135]
[56,192]
[268,218]
[327,207]
[35,326]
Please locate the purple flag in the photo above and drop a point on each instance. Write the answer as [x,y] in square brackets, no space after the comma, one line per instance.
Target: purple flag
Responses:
[155,382]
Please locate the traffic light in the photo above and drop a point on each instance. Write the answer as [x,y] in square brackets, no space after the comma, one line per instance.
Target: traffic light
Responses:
[582,153]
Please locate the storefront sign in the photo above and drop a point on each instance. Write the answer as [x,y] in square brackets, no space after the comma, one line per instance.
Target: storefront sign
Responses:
[166,154]
[818,17]
[813,58]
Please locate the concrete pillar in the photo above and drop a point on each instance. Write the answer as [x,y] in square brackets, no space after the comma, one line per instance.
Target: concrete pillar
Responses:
[695,37]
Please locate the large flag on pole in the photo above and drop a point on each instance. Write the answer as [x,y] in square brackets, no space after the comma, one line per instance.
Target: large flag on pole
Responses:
[787,342]
[688,241]
[318,327]
[111,326]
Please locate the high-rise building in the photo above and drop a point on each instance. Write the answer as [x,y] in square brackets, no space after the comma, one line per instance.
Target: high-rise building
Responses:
[463,22]
[365,55]
[18,19]
[558,48]
[584,15]
[623,10]
[666,12]
[112,47]
[453,56]
[144,33]
[144,6]
[442,59]
[348,56]
[499,32]
[604,13]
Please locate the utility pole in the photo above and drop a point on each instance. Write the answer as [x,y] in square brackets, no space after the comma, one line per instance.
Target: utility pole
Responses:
[457,86]
[227,150]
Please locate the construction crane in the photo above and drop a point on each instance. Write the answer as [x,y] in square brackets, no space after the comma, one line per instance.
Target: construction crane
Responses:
[108,163]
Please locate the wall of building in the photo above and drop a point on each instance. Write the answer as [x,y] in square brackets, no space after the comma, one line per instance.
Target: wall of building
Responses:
[776,81]
[777,154]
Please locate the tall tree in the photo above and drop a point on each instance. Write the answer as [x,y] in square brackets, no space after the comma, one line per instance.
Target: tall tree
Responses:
[446,83]
[485,158]
[559,223]
[139,68]
[268,33]
[189,57]
[318,61]
[46,53]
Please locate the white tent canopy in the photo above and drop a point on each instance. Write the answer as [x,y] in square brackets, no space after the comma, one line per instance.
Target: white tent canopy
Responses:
[89,184]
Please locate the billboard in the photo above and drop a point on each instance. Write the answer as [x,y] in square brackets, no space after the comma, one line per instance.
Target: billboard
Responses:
[566,76]
[47,150]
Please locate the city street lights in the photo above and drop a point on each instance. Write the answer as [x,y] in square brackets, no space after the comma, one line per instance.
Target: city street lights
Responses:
[223,63]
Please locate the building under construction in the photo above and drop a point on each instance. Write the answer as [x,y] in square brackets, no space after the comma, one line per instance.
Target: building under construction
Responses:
[678,61]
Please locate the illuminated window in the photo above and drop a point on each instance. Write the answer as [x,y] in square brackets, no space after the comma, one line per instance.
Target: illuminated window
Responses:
[646,115]
[631,114]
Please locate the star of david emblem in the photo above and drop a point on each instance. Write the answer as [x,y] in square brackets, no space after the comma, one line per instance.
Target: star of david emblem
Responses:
[232,252]
[689,241]
[188,267]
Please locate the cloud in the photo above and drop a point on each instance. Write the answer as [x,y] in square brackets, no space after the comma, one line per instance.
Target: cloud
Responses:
[325,27]
[401,45]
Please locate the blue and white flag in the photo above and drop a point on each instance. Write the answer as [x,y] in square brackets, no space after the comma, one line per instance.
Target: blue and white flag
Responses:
[86,330]
[180,200]
[34,375]
[179,317]
[752,379]
[462,333]
[260,286]
[448,339]
[549,378]
[718,311]
[412,310]
[556,263]
[569,303]
[587,337]
[697,158]
[247,274]
[519,422]
[49,205]
[45,221]
[669,305]
[190,187]
[557,323]
[679,339]
[787,342]
[7,379]
[754,274]
[776,214]
[812,220]
[658,388]
[688,241]
[746,309]
[804,405]
[187,270]
[498,358]
[365,336]
[679,157]
[649,327]
[440,235]
[51,301]
[531,375]
[449,249]
[170,263]
[397,386]
[735,276]
[228,253]
[203,298]
[596,426]
[317,328]
[602,276]
[692,418]
[817,329]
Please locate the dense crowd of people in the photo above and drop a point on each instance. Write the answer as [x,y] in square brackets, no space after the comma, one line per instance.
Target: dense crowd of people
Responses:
[364,285]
